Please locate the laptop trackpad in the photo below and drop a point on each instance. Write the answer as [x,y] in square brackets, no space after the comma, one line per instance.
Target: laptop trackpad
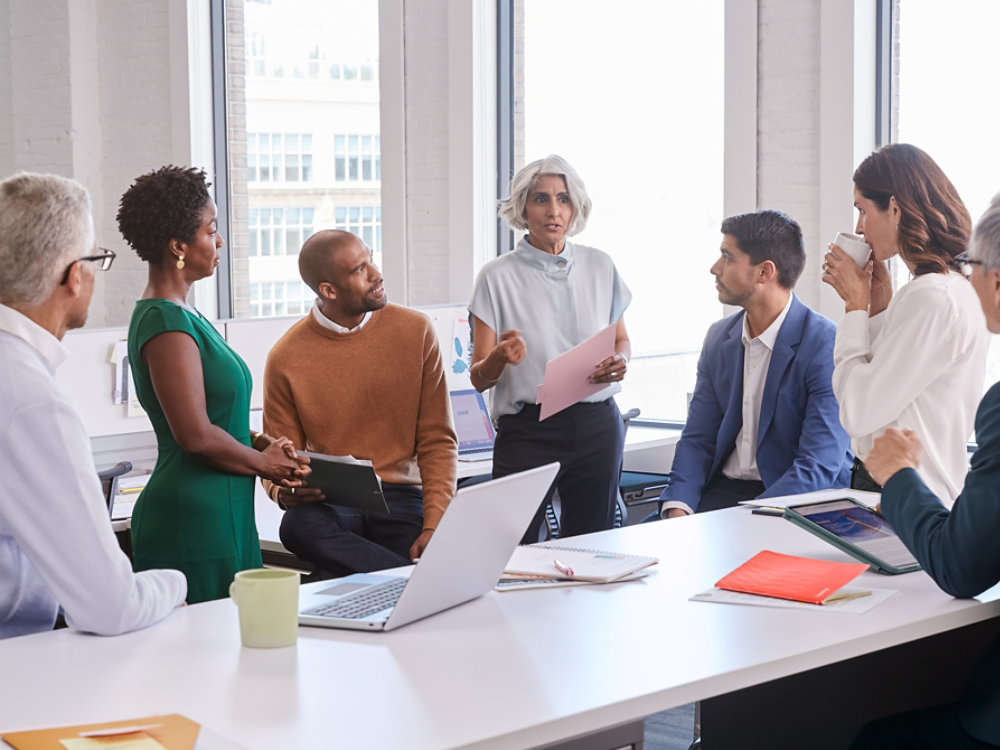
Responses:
[342,589]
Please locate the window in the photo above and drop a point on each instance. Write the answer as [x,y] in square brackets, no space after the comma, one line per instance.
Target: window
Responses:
[945,101]
[649,147]
[364,221]
[277,157]
[280,298]
[279,231]
[356,158]
[311,63]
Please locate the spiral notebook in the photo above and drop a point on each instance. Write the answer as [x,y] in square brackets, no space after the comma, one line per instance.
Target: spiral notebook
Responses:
[557,561]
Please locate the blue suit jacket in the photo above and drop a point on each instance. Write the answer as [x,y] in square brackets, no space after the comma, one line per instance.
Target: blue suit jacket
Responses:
[801,445]
[959,549]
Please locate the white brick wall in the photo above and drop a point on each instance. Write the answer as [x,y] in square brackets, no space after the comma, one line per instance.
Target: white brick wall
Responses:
[136,137]
[788,121]
[426,86]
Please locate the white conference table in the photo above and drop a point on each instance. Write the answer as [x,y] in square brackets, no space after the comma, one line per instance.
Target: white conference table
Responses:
[508,670]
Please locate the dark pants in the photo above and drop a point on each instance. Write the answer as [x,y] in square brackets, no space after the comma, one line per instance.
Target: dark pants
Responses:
[724,492]
[342,540]
[862,480]
[927,729]
[587,441]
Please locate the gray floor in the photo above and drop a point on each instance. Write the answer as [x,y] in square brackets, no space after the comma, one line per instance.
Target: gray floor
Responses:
[670,730]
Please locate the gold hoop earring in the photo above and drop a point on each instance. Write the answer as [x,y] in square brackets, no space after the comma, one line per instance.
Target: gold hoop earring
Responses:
[180,261]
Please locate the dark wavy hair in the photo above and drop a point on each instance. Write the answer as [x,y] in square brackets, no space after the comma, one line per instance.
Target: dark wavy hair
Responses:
[934,224]
[163,205]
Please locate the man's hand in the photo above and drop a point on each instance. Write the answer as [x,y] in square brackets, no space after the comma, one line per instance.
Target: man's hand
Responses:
[893,451]
[675,513]
[289,497]
[418,546]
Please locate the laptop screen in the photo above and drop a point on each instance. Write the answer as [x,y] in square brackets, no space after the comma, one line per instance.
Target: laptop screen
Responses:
[472,420]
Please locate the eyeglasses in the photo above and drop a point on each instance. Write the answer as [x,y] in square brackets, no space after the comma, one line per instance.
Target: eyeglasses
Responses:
[106,258]
[964,264]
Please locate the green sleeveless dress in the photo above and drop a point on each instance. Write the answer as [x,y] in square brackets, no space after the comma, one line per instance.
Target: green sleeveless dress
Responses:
[191,517]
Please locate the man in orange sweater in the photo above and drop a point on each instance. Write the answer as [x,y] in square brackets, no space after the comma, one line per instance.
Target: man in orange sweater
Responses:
[358,376]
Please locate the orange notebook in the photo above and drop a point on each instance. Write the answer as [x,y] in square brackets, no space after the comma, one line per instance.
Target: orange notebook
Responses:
[801,579]
[172,732]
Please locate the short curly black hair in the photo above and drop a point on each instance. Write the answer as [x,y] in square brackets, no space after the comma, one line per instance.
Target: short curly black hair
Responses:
[160,206]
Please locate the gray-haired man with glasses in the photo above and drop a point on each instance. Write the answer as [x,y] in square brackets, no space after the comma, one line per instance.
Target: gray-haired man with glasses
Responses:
[957,548]
[57,548]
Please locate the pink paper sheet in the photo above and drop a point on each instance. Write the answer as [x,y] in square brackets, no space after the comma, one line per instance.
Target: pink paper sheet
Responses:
[566,376]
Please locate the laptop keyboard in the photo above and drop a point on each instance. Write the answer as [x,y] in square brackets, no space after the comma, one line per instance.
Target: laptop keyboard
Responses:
[480,455]
[362,603]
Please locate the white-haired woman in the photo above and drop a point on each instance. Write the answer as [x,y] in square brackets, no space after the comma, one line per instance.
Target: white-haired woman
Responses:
[536,303]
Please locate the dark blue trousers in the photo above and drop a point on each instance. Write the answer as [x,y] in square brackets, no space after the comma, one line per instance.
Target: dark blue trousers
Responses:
[587,440]
[342,540]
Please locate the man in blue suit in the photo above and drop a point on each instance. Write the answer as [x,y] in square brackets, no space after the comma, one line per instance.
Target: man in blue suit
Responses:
[763,420]
[958,549]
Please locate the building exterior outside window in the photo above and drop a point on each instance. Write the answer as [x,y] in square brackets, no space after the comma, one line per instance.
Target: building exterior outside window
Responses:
[304,142]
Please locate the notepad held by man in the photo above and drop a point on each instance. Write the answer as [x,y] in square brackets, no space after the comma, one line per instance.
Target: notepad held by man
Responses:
[802,579]
[554,561]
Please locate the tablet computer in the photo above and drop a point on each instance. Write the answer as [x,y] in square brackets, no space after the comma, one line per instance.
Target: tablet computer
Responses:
[346,481]
[857,530]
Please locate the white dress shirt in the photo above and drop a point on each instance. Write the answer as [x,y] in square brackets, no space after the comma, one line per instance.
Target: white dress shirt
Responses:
[56,543]
[919,365]
[742,462]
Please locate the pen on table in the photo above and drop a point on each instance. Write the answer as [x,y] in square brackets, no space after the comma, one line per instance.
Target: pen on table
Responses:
[765,510]
[564,569]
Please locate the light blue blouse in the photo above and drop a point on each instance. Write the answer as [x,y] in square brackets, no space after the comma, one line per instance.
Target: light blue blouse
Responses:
[556,301]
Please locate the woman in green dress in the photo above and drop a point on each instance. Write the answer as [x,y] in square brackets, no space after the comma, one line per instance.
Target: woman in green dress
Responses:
[196,513]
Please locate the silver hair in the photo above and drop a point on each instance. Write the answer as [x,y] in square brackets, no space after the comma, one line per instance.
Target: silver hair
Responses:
[45,224]
[985,242]
[512,208]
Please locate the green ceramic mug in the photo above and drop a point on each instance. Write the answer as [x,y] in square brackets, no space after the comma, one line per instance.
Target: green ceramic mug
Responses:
[268,602]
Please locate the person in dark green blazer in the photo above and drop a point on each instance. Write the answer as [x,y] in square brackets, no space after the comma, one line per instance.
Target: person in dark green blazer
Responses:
[958,549]
[196,512]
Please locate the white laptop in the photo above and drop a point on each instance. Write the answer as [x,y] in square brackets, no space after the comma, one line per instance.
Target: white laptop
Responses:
[472,425]
[463,560]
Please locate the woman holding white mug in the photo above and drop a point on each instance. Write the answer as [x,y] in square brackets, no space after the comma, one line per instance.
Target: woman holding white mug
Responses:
[915,359]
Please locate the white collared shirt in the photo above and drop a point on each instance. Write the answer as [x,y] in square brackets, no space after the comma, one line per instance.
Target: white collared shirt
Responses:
[56,543]
[742,462]
[333,326]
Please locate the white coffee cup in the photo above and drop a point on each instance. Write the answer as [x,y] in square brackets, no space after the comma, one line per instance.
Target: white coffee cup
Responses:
[268,601]
[855,246]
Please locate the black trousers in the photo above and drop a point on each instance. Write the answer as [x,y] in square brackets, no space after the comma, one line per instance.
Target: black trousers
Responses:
[587,441]
[861,479]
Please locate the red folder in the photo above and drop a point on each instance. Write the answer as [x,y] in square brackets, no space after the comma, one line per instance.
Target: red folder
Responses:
[801,579]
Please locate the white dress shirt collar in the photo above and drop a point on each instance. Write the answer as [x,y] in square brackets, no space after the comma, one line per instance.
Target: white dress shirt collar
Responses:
[336,327]
[769,336]
[17,324]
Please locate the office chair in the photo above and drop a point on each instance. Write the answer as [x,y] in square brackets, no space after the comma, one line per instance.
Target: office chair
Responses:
[621,511]
[109,481]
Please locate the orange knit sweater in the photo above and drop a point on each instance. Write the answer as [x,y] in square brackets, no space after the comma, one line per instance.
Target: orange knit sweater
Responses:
[377,393]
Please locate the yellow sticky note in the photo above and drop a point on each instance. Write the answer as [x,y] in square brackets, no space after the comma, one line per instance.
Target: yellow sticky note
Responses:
[134,741]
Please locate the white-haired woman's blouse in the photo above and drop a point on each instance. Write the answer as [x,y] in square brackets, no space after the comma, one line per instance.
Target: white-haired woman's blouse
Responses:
[556,301]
